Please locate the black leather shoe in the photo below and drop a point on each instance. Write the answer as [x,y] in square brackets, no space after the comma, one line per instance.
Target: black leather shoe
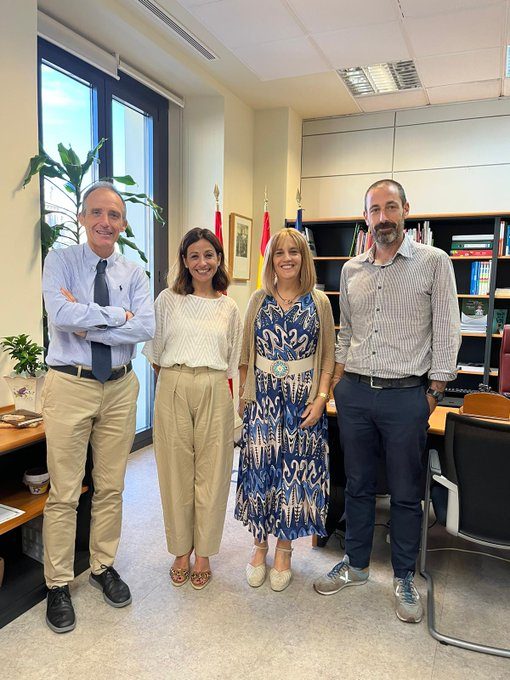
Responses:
[59,610]
[115,591]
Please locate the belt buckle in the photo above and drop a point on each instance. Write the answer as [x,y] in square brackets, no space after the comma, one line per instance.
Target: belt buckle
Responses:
[279,368]
[375,387]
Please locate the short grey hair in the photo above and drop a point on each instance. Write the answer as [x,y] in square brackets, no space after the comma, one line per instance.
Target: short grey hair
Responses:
[103,184]
[387,182]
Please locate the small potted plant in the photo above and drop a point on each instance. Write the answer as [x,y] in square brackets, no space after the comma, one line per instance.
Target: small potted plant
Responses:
[27,378]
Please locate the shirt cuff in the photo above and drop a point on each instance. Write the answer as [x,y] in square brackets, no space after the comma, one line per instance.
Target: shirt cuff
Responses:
[444,376]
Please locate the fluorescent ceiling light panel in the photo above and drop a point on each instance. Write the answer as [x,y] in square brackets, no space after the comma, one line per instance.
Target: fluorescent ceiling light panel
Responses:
[380,78]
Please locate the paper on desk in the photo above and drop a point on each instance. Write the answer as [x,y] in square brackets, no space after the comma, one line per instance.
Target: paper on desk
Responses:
[7,513]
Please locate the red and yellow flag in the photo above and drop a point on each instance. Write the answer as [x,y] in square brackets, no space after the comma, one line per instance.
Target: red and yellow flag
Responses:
[264,240]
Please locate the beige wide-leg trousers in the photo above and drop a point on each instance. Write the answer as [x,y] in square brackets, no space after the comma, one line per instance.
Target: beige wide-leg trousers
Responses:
[194,445]
[76,410]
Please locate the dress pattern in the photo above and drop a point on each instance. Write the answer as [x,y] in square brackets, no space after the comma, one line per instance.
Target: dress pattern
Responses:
[283,481]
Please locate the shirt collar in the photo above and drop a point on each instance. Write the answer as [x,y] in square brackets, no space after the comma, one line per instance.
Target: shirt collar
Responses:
[406,250]
[91,259]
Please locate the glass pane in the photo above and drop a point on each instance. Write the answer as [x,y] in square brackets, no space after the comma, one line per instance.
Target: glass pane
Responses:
[67,105]
[132,155]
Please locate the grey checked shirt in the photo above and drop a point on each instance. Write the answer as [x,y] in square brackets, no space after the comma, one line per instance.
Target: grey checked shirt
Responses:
[401,318]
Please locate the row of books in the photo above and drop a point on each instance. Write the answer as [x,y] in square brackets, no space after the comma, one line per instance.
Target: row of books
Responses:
[504,238]
[361,241]
[480,278]
[422,233]
[472,245]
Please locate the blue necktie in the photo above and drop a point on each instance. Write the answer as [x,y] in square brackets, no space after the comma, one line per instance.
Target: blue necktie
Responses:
[101,354]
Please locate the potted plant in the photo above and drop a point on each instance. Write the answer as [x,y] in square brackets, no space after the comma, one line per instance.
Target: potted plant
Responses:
[67,175]
[27,378]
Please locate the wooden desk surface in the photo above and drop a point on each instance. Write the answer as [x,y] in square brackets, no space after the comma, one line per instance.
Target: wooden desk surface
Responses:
[13,438]
[437,420]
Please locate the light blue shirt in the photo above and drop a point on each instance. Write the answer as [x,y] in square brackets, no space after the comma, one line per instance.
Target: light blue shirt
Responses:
[74,268]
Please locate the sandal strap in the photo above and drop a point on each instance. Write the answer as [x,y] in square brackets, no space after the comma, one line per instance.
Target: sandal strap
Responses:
[261,547]
[285,550]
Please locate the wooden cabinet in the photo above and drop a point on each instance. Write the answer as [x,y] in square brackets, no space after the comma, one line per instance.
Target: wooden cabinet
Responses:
[333,240]
[23,584]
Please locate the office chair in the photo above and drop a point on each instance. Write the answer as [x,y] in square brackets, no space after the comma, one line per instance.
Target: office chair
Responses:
[477,476]
[504,362]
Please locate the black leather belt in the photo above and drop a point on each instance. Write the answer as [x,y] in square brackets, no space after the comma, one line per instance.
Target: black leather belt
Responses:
[389,383]
[87,373]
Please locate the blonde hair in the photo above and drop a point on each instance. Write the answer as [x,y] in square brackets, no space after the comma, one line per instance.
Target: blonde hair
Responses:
[307,274]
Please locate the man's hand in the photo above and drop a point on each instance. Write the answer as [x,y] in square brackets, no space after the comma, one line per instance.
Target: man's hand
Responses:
[129,315]
[338,374]
[70,298]
[432,403]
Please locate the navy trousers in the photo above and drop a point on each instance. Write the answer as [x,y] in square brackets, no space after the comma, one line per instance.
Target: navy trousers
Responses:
[372,421]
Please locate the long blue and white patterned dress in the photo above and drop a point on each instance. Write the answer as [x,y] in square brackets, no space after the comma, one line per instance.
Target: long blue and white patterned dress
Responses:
[283,482]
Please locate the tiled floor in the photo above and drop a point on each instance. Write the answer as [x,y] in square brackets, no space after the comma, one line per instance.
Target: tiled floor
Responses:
[230,630]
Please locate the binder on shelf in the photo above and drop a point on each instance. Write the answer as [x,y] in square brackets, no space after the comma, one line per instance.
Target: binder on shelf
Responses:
[311,241]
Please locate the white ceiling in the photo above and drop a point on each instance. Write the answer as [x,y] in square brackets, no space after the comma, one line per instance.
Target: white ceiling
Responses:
[458,46]
[285,52]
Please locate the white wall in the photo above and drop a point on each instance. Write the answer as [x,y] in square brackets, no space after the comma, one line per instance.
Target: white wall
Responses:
[20,261]
[450,159]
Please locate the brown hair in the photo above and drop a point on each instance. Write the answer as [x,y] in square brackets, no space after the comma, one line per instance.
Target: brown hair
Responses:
[386,182]
[183,281]
[307,274]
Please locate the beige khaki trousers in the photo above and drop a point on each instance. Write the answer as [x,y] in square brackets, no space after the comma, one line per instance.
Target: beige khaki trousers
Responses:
[76,411]
[194,445]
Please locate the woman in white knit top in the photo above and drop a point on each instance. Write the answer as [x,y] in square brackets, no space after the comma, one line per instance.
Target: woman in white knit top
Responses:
[195,349]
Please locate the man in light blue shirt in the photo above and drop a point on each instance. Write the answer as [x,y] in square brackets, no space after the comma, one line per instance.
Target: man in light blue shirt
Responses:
[99,307]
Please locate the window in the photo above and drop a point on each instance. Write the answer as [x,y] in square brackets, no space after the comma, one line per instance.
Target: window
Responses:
[79,105]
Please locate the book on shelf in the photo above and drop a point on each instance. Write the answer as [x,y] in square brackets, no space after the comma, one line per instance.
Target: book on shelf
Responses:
[471,367]
[311,241]
[480,278]
[504,238]
[422,233]
[473,316]
[499,320]
[472,245]
[502,292]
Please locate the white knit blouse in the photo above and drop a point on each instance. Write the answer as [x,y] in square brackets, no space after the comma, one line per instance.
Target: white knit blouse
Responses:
[196,331]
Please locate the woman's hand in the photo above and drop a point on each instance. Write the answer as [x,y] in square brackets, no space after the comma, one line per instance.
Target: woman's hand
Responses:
[240,410]
[313,412]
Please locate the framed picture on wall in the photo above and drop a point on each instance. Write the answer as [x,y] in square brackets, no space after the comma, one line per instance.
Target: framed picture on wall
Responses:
[240,246]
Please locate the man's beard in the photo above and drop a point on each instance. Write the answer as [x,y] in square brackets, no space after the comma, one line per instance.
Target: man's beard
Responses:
[386,239]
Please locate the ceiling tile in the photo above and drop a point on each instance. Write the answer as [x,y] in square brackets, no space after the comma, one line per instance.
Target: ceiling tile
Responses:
[468,30]
[363,45]
[418,8]
[238,23]
[465,67]
[330,15]
[283,59]
[397,100]
[488,89]
[185,3]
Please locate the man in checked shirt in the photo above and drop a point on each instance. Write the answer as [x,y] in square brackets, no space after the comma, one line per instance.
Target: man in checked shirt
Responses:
[396,350]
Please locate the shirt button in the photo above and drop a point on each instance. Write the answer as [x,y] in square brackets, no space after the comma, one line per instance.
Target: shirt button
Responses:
[373,352]
[377,309]
[375,330]
[379,287]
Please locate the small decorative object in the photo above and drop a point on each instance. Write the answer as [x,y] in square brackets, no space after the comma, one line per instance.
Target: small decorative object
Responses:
[27,380]
[240,246]
[37,480]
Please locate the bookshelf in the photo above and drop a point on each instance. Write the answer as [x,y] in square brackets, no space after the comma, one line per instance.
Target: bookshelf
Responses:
[333,239]
[24,583]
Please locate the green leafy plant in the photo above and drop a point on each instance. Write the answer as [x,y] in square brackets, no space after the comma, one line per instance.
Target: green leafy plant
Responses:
[26,353]
[71,173]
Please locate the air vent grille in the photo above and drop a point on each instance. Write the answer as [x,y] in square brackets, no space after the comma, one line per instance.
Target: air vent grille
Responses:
[178,28]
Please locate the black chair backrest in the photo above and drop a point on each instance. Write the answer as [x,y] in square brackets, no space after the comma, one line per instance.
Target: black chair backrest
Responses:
[477,457]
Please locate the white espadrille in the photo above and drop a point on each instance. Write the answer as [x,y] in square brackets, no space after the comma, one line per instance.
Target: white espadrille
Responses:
[279,580]
[257,575]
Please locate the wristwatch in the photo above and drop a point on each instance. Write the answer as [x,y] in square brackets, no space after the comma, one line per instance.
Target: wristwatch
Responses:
[435,394]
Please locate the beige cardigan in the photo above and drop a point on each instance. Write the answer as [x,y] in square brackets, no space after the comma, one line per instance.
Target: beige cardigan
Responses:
[324,360]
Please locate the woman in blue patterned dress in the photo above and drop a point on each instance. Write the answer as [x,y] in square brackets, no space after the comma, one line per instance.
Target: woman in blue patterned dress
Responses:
[286,364]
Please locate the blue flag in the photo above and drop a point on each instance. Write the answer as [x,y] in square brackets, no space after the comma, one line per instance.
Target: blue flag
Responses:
[299,220]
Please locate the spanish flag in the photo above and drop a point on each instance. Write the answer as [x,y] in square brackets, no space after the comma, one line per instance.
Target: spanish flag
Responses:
[264,240]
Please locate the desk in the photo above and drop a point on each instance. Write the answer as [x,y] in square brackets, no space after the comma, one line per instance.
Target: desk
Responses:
[23,584]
